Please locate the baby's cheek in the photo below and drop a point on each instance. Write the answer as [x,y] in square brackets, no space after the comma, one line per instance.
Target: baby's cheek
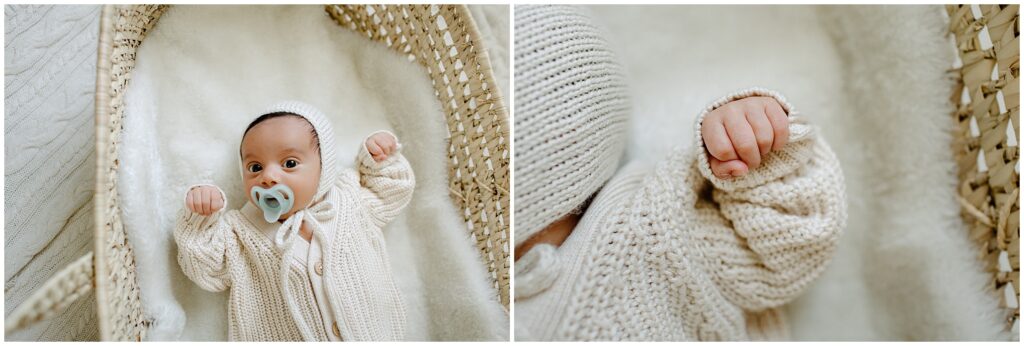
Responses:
[308,191]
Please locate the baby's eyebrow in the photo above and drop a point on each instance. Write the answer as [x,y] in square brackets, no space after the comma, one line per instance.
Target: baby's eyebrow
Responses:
[291,150]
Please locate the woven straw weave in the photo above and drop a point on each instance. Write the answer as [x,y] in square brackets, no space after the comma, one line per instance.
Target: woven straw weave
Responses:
[75,281]
[122,29]
[442,38]
[987,146]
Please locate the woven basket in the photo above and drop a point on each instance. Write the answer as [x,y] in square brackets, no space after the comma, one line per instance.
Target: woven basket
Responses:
[443,39]
[987,145]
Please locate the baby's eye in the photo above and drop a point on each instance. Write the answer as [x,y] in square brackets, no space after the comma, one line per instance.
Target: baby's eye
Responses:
[254,168]
[291,164]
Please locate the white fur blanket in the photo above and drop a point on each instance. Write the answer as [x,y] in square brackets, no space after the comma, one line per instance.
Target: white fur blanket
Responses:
[874,79]
[204,72]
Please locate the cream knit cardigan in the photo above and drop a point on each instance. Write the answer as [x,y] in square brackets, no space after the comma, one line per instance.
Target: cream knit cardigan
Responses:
[227,250]
[678,254]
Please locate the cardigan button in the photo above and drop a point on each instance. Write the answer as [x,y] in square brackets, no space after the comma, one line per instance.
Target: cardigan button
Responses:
[334,328]
[319,268]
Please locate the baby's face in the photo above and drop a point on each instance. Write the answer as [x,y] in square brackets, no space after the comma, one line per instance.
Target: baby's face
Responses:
[282,150]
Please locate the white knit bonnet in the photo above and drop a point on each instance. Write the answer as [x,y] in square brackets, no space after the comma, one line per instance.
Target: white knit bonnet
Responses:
[325,134]
[571,114]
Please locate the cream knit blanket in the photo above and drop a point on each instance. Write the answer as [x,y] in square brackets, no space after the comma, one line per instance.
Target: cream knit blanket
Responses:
[678,254]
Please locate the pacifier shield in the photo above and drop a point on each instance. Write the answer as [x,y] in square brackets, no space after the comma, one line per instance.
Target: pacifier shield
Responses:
[274,202]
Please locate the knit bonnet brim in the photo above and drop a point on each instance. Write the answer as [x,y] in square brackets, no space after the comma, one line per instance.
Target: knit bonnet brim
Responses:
[325,136]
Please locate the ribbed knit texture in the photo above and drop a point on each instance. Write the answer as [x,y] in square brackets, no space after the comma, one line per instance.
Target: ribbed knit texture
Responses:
[570,114]
[678,254]
[226,250]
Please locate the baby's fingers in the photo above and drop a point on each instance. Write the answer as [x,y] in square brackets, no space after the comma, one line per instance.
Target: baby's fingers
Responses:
[727,169]
[716,139]
[389,145]
[385,147]
[763,132]
[743,140]
[204,202]
[218,202]
[376,150]
[373,148]
[190,201]
[780,124]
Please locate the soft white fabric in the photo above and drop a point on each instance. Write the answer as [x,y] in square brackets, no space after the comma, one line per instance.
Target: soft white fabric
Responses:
[201,74]
[571,114]
[921,270]
[873,78]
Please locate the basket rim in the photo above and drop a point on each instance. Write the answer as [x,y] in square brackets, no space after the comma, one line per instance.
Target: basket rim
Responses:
[102,103]
[485,60]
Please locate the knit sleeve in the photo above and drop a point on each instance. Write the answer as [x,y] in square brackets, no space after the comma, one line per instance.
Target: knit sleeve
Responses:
[772,231]
[203,245]
[386,186]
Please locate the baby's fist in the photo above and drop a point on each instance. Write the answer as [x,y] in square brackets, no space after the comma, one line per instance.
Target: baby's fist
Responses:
[740,133]
[204,200]
[381,145]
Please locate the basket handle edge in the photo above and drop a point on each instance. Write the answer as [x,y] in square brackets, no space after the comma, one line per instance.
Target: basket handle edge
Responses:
[64,288]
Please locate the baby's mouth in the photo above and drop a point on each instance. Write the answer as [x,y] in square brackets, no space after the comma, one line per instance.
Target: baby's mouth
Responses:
[274,201]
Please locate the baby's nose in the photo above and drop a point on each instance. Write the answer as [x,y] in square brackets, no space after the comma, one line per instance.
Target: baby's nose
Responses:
[269,179]
[267,182]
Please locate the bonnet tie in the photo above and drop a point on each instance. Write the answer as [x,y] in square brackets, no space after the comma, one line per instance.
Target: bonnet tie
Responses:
[285,238]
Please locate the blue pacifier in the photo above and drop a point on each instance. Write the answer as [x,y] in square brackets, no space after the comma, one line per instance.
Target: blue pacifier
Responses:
[274,201]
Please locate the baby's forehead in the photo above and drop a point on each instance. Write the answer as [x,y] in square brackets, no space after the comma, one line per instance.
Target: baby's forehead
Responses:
[282,131]
[286,120]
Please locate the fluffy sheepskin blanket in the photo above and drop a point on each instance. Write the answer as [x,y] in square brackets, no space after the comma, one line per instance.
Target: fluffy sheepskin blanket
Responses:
[874,79]
[204,72]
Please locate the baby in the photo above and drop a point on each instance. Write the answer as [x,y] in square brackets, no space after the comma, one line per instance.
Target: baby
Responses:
[737,136]
[304,258]
[707,243]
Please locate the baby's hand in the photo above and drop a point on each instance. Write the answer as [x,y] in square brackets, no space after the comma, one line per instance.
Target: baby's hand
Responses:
[380,145]
[204,200]
[740,133]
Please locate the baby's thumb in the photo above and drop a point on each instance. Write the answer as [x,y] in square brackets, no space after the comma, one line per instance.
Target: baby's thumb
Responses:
[727,169]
